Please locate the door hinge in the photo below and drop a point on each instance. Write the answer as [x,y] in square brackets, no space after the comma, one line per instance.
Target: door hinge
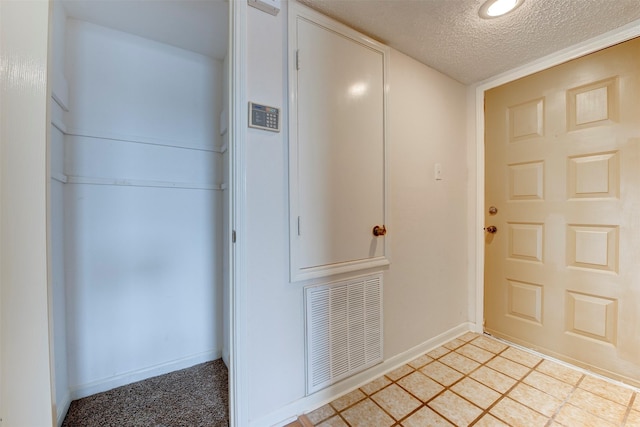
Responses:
[298,59]
[299,227]
[233,236]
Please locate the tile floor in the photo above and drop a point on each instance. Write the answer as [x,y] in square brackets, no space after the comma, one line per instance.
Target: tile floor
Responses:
[476,380]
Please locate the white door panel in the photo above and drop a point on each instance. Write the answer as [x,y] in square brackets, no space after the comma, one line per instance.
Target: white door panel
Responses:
[338,140]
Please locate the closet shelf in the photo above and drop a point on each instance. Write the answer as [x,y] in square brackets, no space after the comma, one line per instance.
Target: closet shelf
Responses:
[135,139]
[60,177]
[70,179]
[59,125]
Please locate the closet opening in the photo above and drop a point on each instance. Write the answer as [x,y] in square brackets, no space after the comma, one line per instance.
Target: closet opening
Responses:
[139,195]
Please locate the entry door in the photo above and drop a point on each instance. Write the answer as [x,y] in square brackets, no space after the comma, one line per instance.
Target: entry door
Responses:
[562,272]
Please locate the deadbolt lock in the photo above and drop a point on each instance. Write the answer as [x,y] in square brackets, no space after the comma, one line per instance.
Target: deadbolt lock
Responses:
[493,210]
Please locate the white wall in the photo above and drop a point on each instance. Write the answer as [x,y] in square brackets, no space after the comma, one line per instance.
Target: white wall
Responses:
[275,327]
[226,200]
[142,242]
[26,395]
[426,284]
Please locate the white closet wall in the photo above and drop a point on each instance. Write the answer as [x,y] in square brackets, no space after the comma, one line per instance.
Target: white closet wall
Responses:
[142,208]
[226,220]
[59,101]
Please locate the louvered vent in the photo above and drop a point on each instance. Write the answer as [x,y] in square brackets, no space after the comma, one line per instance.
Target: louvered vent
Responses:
[344,329]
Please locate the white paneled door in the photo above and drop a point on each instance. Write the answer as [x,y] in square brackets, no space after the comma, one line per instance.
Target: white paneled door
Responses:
[562,269]
[337,150]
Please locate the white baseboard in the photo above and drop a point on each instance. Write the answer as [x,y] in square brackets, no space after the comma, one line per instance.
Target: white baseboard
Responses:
[84,390]
[306,404]
[63,408]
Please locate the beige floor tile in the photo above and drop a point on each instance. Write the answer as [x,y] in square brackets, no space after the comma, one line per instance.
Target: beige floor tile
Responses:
[321,414]
[475,353]
[561,372]
[476,393]
[633,419]
[367,414]
[489,344]
[570,416]
[425,417]
[453,344]
[469,336]
[455,408]
[347,400]
[602,388]
[441,373]
[419,362]
[375,385]
[333,422]
[459,362]
[489,420]
[551,395]
[598,406]
[521,357]
[399,372]
[438,352]
[421,386]
[548,384]
[396,401]
[493,379]
[517,415]
[535,399]
[508,367]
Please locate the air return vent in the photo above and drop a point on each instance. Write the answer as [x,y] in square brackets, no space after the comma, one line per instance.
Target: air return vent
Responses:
[343,330]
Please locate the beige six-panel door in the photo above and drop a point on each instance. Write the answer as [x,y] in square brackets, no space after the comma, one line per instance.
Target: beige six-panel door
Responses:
[562,271]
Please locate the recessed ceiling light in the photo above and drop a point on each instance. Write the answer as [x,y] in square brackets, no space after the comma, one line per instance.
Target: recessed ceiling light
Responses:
[494,8]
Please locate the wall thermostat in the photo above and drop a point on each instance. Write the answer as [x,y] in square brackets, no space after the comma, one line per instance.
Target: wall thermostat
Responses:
[264,117]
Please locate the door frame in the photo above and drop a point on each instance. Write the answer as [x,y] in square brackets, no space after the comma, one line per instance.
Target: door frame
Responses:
[236,239]
[25,280]
[237,48]
[477,217]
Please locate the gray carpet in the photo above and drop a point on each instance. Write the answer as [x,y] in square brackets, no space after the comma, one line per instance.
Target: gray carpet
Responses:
[197,396]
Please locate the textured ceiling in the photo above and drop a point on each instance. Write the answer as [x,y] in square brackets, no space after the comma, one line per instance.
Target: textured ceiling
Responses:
[448,35]
[197,25]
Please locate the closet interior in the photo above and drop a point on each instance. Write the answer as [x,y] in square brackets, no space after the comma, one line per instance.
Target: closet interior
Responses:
[138,194]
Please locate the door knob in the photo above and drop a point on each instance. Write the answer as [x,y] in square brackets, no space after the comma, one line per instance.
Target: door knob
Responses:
[491,229]
[379,231]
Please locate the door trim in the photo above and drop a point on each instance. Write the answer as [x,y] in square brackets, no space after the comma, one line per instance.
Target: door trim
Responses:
[476,219]
[238,381]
